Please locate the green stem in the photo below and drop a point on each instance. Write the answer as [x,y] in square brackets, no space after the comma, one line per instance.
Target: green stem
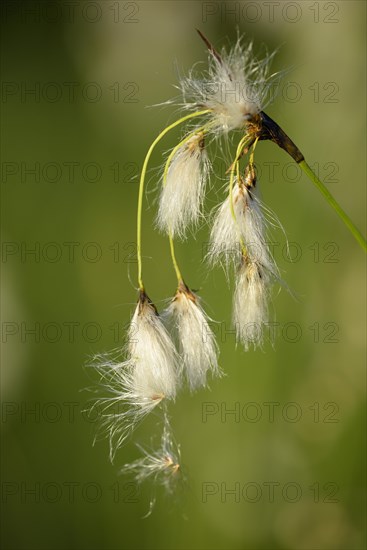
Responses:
[174,260]
[334,204]
[141,186]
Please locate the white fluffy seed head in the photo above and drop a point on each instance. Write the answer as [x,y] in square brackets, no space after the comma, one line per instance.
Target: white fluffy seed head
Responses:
[247,227]
[152,353]
[163,466]
[134,387]
[197,347]
[183,190]
[234,88]
[250,303]
[224,242]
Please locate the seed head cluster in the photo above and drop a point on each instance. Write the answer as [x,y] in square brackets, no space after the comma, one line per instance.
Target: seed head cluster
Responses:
[175,348]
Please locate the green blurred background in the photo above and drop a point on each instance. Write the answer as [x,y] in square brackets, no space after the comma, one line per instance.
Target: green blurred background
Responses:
[95,67]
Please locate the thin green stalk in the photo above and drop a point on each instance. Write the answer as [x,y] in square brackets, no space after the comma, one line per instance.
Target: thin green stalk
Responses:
[141,186]
[334,204]
[174,260]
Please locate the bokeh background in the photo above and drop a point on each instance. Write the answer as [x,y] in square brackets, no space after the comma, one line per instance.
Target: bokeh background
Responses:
[71,153]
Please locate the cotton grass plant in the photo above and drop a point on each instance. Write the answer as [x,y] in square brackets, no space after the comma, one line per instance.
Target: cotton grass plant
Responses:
[174,348]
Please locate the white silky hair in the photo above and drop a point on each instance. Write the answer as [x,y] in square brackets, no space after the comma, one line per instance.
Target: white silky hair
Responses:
[247,227]
[234,88]
[153,354]
[250,304]
[224,240]
[196,342]
[183,192]
[162,465]
[137,385]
